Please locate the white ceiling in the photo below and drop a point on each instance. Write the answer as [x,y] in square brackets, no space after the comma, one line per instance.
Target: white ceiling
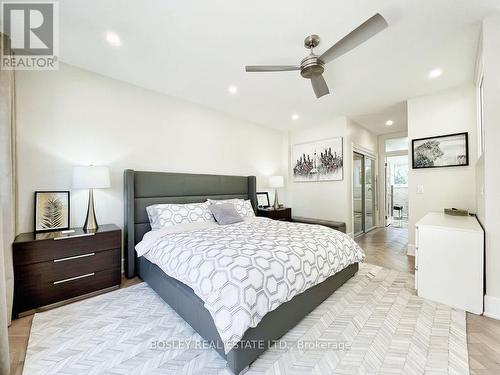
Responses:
[196,49]
[376,121]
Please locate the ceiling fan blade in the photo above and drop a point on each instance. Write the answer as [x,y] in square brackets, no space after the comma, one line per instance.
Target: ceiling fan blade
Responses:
[271,68]
[319,86]
[359,35]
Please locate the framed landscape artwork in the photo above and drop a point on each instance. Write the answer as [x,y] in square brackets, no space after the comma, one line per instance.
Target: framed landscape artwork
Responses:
[318,161]
[442,151]
[51,210]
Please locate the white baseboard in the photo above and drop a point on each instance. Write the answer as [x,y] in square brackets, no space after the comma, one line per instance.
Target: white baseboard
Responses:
[492,307]
[411,250]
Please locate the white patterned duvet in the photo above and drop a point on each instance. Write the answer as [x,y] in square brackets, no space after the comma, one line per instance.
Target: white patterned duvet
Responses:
[245,270]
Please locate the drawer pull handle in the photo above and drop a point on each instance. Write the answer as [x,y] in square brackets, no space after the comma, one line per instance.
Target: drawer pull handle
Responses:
[75,257]
[73,236]
[73,278]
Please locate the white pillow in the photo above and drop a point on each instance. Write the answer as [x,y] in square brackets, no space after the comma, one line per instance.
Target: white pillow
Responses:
[167,215]
[243,207]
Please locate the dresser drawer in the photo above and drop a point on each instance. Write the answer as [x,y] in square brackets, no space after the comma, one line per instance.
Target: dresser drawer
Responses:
[67,267]
[46,293]
[50,249]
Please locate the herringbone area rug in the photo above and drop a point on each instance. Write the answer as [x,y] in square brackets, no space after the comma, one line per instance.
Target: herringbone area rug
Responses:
[373,324]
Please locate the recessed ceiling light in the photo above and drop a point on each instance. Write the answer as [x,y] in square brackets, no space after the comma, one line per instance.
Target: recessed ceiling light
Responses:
[389,122]
[295,116]
[434,73]
[113,39]
[232,89]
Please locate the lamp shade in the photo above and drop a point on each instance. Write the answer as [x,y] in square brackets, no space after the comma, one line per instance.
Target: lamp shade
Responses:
[90,177]
[276,181]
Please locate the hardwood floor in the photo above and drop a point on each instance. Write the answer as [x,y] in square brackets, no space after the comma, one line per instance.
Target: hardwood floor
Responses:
[385,247]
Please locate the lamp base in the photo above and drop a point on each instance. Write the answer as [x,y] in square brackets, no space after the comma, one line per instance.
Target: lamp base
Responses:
[90,220]
[276,201]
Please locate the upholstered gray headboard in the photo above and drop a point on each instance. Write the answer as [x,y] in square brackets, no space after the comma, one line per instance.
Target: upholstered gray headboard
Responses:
[143,189]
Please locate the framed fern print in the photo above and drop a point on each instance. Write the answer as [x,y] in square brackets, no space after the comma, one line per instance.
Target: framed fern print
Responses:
[51,210]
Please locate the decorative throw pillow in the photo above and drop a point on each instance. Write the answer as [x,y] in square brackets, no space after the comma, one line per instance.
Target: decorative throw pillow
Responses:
[166,215]
[225,213]
[243,207]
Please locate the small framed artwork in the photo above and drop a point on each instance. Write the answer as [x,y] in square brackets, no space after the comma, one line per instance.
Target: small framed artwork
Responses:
[51,210]
[263,199]
[450,150]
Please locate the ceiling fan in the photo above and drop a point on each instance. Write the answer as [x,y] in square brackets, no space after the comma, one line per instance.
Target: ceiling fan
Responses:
[312,66]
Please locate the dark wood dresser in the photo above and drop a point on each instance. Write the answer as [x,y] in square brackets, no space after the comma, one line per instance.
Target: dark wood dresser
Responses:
[284,213]
[51,269]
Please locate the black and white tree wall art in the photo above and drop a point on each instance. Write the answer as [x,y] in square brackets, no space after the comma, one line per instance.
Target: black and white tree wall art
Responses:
[318,161]
[51,210]
[441,151]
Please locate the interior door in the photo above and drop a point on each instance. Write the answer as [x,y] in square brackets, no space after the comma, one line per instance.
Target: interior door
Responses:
[357,193]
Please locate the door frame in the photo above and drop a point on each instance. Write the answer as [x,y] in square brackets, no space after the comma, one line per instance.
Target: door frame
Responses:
[381,165]
[388,155]
[355,234]
[383,159]
[356,149]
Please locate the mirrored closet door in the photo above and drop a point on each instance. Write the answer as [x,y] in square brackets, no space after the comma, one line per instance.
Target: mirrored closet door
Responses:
[364,193]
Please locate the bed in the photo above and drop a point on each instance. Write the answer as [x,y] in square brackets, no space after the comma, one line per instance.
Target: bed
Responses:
[142,189]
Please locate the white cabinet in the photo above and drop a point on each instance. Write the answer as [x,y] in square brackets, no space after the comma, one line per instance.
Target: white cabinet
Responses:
[449,260]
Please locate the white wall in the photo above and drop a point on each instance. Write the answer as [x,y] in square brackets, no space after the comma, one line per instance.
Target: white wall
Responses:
[361,137]
[325,199]
[453,111]
[331,200]
[488,167]
[74,117]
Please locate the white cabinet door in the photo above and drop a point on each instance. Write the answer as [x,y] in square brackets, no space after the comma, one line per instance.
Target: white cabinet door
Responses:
[450,267]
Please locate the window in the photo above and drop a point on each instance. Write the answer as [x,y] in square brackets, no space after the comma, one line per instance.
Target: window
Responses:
[398,167]
[396,144]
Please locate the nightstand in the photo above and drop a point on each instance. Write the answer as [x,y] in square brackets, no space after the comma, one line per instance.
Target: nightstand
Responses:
[51,269]
[284,213]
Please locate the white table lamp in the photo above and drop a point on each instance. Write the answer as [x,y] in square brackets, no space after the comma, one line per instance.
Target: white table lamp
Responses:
[276,182]
[90,177]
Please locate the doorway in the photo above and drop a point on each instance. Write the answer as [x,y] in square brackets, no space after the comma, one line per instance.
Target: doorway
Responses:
[396,190]
[364,201]
[395,193]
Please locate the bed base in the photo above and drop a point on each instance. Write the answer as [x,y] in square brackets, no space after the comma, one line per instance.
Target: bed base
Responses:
[273,326]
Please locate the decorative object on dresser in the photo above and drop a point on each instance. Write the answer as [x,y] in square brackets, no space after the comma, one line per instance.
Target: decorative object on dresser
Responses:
[450,150]
[90,177]
[318,161]
[51,210]
[58,267]
[456,211]
[263,199]
[276,182]
[282,213]
[449,260]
